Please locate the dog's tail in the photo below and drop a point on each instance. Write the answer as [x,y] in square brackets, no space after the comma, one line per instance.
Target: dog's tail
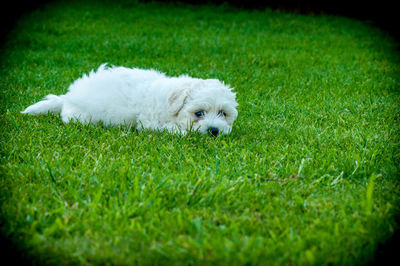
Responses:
[50,104]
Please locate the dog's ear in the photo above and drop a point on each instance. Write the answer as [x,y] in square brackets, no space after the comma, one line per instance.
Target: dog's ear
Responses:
[176,99]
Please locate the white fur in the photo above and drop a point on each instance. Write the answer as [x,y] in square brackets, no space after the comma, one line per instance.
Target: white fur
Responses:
[144,98]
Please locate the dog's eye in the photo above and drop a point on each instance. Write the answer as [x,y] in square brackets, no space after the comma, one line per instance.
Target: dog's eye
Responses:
[199,114]
[222,113]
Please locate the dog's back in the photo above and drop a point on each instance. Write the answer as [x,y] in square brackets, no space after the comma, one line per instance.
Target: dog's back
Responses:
[111,95]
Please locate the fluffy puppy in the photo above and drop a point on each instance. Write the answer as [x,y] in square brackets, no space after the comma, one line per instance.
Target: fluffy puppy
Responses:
[146,99]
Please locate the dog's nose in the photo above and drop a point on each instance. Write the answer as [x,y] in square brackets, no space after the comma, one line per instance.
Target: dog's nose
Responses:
[213,131]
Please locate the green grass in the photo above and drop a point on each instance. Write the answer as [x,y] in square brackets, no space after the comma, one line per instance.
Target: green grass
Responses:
[309,174]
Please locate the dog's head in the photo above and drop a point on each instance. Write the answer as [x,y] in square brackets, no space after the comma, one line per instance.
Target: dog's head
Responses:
[208,106]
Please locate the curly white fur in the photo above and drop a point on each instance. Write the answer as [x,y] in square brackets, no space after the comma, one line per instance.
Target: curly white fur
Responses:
[146,99]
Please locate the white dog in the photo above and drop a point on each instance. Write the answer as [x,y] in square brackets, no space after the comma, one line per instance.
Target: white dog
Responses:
[145,98]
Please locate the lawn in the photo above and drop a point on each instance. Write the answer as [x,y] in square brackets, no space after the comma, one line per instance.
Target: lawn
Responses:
[309,175]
